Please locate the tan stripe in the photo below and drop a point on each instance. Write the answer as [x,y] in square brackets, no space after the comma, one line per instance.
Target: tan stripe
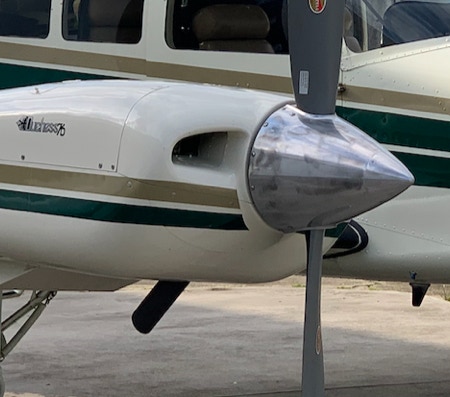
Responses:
[218,76]
[165,191]
[56,56]
[113,63]
[394,99]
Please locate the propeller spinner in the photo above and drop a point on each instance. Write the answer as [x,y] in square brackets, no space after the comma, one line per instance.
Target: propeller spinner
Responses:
[309,169]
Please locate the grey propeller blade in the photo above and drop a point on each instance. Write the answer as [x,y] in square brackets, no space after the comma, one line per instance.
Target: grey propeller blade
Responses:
[313,378]
[315,39]
[308,169]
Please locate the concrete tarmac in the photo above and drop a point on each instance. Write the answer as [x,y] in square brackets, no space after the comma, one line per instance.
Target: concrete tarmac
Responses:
[235,341]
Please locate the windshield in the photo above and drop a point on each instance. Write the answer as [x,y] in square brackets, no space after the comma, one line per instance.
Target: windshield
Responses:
[373,24]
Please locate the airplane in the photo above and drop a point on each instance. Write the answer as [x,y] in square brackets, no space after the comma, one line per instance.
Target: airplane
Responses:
[197,173]
[391,85]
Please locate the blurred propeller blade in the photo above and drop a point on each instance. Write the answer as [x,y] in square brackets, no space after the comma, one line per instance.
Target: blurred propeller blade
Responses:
[313,377]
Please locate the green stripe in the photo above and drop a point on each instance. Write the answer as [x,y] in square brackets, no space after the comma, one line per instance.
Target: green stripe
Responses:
[428,170]
[12,76]
[407,131]
[118,213]
[395,129]
[386,128]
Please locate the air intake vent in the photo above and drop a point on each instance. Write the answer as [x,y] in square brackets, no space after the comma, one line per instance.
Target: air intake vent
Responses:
[202,150]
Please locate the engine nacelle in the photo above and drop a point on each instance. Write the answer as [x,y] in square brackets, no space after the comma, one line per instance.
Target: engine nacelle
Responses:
[101,174]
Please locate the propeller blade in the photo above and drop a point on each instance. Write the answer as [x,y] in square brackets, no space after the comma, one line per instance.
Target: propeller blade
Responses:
[313,376]
[315,40]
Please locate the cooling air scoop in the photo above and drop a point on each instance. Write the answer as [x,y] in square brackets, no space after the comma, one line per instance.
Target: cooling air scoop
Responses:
[308,171]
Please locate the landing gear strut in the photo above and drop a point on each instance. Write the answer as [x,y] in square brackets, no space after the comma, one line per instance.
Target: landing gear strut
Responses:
[31,311]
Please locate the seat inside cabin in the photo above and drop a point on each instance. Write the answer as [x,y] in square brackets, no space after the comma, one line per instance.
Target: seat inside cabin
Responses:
[348,32]
[118,21]
[232,27]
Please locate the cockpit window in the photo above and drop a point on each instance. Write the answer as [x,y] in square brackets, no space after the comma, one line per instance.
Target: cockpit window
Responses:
[382,23]
[261,25]
[412,20]
[118,21]
[25,18]
[228,25]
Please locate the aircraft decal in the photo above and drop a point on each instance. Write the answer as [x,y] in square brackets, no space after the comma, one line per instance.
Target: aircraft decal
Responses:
[317,6]
[118,212]
[119,186]
[27,124]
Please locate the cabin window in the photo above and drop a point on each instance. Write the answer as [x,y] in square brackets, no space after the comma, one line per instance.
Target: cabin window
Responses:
[371,24]
[227,25]
[25,18]
[103,21]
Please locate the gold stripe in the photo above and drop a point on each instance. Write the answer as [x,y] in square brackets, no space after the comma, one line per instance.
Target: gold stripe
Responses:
[113,63]
[395,99]
[174,192]
[57,56]
[219,76]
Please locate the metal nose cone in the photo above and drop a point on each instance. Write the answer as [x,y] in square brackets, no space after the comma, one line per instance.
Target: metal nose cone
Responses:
[386,177]
[308,171]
